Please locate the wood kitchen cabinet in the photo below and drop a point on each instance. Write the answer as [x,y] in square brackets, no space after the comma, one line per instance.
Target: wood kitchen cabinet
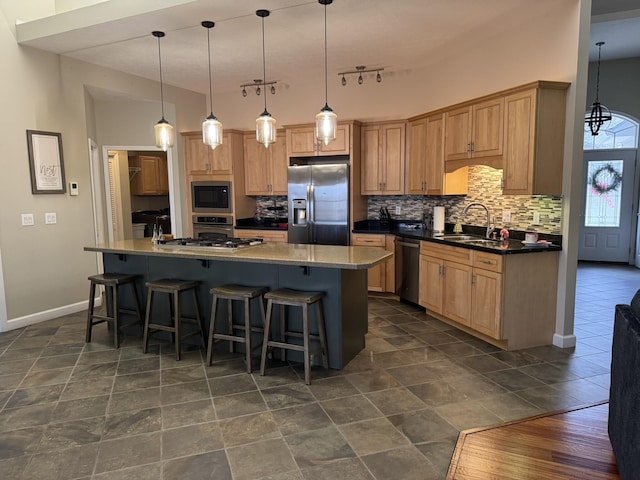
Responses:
[381,277]
[200,159]
[507,300]
[265,169]
[272,236]
[534,140]
[150,175]
[425,160]
[475,131]
[383,158]
[302,142]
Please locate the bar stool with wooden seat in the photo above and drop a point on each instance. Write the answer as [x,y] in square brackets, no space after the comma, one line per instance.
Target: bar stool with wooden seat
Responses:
[173,287]
[112,283]
[295,298]
[244,294]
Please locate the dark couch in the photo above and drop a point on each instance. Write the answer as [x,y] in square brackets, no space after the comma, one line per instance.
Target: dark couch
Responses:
[624,395]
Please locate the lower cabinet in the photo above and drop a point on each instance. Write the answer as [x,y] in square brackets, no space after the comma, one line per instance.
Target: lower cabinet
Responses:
[273,236]
[507,300]
[381,277]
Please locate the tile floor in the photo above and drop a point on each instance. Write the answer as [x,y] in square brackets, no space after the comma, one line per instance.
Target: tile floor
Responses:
[70,410]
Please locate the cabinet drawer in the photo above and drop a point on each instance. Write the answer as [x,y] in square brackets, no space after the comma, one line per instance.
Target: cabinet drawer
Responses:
[275,236]
[446,252]
[487,261]
[368,239]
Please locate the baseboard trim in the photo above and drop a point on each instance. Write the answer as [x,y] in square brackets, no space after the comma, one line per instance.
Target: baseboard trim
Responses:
[564,341]
[45,315]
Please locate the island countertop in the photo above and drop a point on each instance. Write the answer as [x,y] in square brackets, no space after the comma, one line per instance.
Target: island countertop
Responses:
[330,256]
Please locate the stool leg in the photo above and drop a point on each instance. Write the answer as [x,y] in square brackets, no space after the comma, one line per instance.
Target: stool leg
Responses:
[196,304]
[265,337]
[172,317]
[305,338]
[92,295]
[212,327]
[138,305]
[247,334]
[177,338]
[283,329]
[147,318]
[116,317]
[230,322]
[323,335]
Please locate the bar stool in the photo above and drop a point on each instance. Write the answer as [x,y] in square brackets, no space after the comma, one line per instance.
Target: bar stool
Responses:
[239,293]
[112,283]
[174,288]
[295,298]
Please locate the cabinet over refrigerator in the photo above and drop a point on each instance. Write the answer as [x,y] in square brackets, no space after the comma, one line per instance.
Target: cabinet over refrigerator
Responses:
[318,197]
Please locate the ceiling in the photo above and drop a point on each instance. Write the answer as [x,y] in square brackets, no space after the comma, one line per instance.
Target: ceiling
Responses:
[397,36]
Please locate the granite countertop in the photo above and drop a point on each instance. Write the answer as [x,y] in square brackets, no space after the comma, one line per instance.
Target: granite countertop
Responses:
[412,229]
[329,256]
[266,223]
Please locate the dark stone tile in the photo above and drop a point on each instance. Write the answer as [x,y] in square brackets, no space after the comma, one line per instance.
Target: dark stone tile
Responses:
[231,384]
[84,372]
[435,393]
[583,390]
[373,381]
[182,414]
[248,428]
[436,338]
[404,342]
[319,446]
[132,422]
[20,353]
[548,398]
[224,368]
[425,354]
[335,387]
[128,452]
[100,356]
[39,331]
[423,426]
[513,380]
[508,406]
[287,396]
[17,366]
[426,372]
[581,367]
[269,457]
[408,460]
[136,381]
[90,387]
[211,465]
[11,382]
[458,349]
[474,386]
[138,365]
[467,414]
[64,349]
[483,363]
[74,462]
[59,361]
[239,404]
[46,377]
[193,439]
[80,408]
[4,396]
[300,418]
[135,400]
[16,418]
[59,436]
[516,359]
[30,342]
[395,400]
[189,356]
[35,396]
[348,468]
[21,442]
[548,373]
[439,453]
[350,409]
[278,376]
[184,392]
[144,472]
[548,353]
[190,373]
[12,468]
[372,436]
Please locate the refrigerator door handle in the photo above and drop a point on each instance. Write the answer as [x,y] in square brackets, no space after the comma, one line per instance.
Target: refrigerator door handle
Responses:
[311,207]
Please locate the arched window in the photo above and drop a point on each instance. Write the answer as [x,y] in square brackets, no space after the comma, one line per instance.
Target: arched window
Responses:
[621,132]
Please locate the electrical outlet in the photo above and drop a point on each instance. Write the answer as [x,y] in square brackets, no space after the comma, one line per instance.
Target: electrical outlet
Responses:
[536,218]
[398,210]
[50,218]
[506,216]
[27,219]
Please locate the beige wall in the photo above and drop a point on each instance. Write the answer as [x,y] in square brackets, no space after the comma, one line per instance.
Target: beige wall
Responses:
[45,268]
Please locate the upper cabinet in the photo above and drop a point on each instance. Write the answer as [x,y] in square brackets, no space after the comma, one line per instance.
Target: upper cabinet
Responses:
[265,169]
[534,140]
[200,159]
[425,160]
[301,142]
[475,131]
[383,147]
[150,175]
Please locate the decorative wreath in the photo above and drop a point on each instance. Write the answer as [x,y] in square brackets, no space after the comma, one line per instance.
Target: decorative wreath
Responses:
[606,179]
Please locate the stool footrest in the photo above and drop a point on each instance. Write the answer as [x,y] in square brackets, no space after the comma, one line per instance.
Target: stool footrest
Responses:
[288,346]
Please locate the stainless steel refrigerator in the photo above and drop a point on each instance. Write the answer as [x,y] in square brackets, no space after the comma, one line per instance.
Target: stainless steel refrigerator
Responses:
[318,199]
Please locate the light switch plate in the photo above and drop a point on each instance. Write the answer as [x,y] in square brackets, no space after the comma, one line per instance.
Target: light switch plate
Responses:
[50,218]
[506,216]
[398,210]
[73,188]
[536,218]
[27,219]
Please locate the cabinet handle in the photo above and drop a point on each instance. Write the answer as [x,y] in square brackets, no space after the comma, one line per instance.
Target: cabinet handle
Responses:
[473,279]
[502,183]
[468,147]
[473,147]
[441,269]
[489,262]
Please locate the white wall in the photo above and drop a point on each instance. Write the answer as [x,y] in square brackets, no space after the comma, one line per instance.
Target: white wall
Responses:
[619,80]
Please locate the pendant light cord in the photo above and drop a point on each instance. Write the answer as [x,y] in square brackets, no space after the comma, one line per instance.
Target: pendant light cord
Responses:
[598,71]
[161,88]
[209,57]
[264,67]
[326,82]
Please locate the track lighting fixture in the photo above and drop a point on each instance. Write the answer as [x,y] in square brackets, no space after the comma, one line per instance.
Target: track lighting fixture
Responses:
[360,69]
[326,120]
[257,86]
[599,114]
[265,123]
[163,129]
[211,127]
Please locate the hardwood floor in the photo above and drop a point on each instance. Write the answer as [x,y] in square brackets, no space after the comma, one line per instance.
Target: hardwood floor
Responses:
[567,445]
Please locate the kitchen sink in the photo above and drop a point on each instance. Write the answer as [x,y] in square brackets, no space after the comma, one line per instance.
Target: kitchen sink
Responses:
[457,238]
[480,241]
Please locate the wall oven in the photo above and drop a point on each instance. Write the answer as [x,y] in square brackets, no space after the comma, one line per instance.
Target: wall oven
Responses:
[211,197]
[212,227]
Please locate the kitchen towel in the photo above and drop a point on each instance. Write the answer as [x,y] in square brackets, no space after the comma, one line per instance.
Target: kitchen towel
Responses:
[438,220]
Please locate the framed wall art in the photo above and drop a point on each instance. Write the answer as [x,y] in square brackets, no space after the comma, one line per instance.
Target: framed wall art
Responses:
[46,162]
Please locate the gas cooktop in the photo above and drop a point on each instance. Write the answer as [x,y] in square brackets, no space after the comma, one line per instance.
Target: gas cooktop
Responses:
[211,244]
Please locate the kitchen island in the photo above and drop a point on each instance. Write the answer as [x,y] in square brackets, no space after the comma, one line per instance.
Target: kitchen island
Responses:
[339,271]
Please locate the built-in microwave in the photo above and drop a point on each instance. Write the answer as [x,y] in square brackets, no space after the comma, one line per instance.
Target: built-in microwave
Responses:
[211,197]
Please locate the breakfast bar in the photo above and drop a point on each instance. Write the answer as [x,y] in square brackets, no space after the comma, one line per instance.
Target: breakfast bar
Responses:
[339,271]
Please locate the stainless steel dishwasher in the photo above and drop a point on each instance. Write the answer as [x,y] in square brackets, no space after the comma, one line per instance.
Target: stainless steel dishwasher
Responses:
[409,261]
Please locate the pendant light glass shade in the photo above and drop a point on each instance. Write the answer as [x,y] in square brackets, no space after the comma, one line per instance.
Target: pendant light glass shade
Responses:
[163,129]
[598,115]
[265,123]
[326,120]
[211,127]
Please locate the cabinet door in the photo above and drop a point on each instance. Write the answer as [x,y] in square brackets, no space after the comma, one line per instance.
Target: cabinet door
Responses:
[486,302]
[519,149]
[340,146]
[487,128]
[457,292]
[163,176]
[457,134]
[416,158]
[431,283]
[256,158]
[301,142]
[376,275]
[392,156]
[371,160]
[221,160]
[279,164]
[196,155]
[434,156]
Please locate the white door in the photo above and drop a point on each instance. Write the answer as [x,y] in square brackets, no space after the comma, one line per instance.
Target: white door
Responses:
[607,205]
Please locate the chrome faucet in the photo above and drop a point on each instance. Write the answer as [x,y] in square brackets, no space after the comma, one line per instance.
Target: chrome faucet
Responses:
[489,227]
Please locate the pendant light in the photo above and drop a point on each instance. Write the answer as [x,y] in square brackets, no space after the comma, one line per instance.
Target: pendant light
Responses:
[265,123]
[163,129]
[599,114]
[326,120]
[211,127]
